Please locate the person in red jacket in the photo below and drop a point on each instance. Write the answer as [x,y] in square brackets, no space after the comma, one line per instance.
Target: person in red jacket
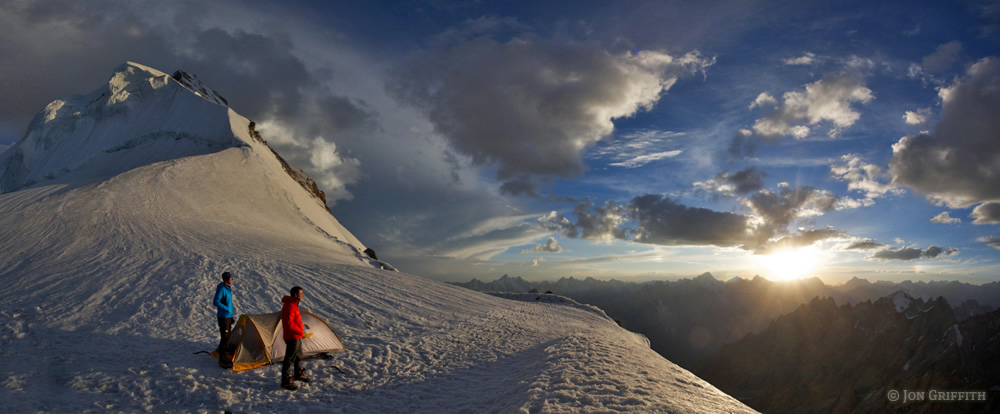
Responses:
[293,332]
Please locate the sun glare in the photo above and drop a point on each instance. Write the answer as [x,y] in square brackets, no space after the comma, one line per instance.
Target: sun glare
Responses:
[791,264]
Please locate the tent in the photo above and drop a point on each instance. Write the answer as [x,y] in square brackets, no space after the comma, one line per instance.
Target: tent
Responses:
[256,340]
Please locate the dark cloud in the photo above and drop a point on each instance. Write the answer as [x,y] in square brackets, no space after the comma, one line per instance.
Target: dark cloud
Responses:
[912,253]
[660,220]
[556,222]
[934,251]
[530,106]
[866,244]
[986,213]
[745,181]
[952,164]
[943,58]
[991,241]
[655,219]
[731,185]
[777,210]
[906,253]
[520,186]
[604,223]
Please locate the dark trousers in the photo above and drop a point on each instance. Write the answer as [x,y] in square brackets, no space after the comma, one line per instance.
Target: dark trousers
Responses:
[293,356]
[225,328]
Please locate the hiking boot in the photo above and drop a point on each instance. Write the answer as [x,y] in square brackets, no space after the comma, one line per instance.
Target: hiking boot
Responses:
[301,378]
[290,386]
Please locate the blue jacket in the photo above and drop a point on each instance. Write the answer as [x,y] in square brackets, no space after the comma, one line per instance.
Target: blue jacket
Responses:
[223,301]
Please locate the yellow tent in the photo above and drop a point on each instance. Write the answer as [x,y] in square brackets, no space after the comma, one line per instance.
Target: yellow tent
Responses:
[257,340]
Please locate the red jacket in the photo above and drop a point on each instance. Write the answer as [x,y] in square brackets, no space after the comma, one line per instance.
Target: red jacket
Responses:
[291,319]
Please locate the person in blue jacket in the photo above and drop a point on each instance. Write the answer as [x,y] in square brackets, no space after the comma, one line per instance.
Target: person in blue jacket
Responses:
[223,302]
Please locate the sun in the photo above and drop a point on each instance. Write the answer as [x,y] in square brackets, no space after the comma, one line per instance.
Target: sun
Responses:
[791,264]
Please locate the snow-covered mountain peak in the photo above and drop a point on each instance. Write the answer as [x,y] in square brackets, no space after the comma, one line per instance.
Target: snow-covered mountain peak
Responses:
[139,117]
[130,79]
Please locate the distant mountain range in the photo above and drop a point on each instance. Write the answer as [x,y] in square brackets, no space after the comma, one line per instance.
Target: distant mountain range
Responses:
[853,358]
[687,319]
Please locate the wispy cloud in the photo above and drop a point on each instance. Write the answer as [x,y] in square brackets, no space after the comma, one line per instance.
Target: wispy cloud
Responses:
[806,59]
[638,148]
[641,160]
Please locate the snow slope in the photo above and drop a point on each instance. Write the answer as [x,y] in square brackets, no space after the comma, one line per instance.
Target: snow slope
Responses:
[119,214]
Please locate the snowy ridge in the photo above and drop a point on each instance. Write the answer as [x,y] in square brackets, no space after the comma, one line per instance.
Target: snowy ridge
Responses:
[549,298]
[190,81]
[107,276]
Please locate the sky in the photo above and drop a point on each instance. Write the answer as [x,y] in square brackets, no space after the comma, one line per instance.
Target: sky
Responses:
[634,140]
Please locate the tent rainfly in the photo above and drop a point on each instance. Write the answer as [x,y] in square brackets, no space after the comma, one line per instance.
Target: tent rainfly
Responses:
[256,340]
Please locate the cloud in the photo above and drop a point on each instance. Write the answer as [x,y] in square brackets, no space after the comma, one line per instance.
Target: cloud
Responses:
[863,177]
[945,218]
[918,118]
[637,148]
[655,219]
[865,244]
[646,159]
[943,58]
[806,59]
[320,158]
[991,241]
[603,224]
[777,210]
[951,164]
[912,253]
[729,185]
[550,246]
[934,251]
[520,186]
[803,239]
[826,100]
[555,222]
[986,213]
[662,221]
[532,106]
[764,99]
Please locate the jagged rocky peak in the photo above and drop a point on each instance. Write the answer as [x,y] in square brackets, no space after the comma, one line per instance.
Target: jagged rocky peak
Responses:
[190,81]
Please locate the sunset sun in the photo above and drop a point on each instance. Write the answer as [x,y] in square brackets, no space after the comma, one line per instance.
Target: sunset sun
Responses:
[791,264]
